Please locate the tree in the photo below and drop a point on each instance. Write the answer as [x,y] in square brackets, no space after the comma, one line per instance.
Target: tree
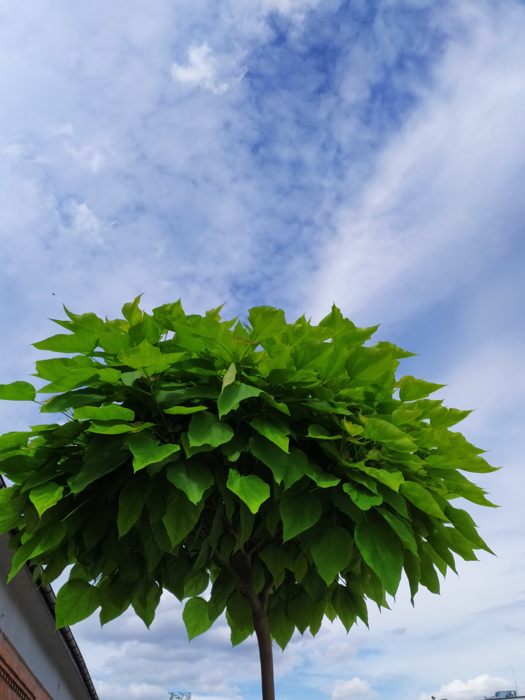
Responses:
[272,460]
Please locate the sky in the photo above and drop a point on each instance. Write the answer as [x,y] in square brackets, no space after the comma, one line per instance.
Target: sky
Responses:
[293,153]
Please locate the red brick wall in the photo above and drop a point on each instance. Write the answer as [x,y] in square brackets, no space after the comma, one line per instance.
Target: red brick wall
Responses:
[17,682]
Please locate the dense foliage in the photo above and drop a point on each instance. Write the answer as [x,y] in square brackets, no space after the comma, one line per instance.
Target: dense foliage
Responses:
[274,460]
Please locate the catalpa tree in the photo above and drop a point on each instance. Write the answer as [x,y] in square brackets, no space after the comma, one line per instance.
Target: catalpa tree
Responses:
[268,470]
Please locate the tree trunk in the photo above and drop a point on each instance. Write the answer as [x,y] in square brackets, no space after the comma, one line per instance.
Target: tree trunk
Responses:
[262,630]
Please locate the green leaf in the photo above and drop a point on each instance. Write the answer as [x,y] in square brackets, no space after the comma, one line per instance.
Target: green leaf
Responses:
[195,616]
[76,601]
[391,479]
[412,389]
[270,400]
[274,432]
[250,489]
[345,607]
[207,429]
[181,516]
[331,553]
[299,610]
[130,505]
[102,413]
[46,496]
[111,376]
[73,399]
[115,427]
[146,329]
[323,479]
[422,499]
[299,512]
[73,379]
[114,342]
[441,417]
[276,559]
[381,550]
[233,394]
[141,356]
[281,627]
[401,529]
[266,322]
[471,463]
[131,311]
[406,415]
[184,410]
[192,478]
[321,433]
[368,365]
[146,450]
[270,455]
[129,377]
[363,499]
[388,435]
[102,456]
[230,376]
[44,540]
[13,441]
[296,467]
[17,391]
[463,522]
[232,450]
[84,343]
[11,508]
[147,612]
[353,429]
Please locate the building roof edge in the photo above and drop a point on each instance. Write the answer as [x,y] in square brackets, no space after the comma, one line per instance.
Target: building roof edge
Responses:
[49,599]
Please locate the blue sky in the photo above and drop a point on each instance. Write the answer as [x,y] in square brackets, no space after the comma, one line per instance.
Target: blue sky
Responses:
[293,153]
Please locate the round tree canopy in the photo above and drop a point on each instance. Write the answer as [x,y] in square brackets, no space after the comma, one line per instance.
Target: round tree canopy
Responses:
[282,463]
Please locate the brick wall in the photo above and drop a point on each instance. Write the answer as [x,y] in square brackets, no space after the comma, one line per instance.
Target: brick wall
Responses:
[17,682]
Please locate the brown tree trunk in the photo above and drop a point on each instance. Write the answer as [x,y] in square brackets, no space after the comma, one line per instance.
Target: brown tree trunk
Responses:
[262,630]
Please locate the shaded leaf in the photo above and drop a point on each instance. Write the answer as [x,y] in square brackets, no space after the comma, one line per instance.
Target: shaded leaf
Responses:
[299,512]
[331,553]
[76,600]
[422,499]
[232,395]
[270,455]
[191,477]
[206,429]
[195,616]
[131,503]
[181,516]
[380,549]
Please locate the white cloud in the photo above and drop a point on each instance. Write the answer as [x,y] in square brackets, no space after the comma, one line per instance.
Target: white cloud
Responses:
[200,70]
[134,690]
[479,687]
[84,223]
[355,688]
[430,218]
[89,156]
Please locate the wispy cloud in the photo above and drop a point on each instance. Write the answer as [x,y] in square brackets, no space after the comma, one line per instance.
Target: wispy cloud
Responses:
[200,70]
